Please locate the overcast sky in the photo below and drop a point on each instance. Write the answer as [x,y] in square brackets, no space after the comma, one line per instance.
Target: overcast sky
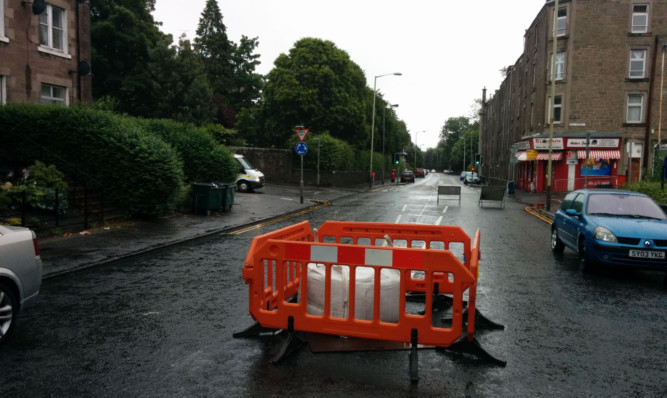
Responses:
[447,50]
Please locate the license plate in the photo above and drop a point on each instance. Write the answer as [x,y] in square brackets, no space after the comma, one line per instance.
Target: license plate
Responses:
[647,254]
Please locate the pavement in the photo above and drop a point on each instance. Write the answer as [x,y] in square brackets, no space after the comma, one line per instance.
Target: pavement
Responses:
[125,238]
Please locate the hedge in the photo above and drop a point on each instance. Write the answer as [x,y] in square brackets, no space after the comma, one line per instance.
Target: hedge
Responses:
[140,173]
[204,160]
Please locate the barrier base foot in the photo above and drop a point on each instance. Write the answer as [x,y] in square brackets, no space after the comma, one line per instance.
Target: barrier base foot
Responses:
[464,346]
[292,343]
[254,330]
[483,322]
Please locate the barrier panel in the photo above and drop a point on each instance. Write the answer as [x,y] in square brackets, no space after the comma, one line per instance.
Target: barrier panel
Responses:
[490,193]
[449,190]
[277,267]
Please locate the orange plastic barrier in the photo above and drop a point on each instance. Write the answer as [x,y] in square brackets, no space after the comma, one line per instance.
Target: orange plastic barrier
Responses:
[277,265]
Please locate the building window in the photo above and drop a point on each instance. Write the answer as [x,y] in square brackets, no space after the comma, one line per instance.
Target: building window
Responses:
[3,88]
[558,110]
[560,66]
[561,27]
[639,18]
[637,63]
[54,95]
[2,20]
[635,108]
[52,28]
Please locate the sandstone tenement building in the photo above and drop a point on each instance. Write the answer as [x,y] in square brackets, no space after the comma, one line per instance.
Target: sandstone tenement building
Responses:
[608,67]
[45,52]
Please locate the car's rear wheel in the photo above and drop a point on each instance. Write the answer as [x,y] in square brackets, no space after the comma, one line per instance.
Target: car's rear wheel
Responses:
[557,245]
[9,308]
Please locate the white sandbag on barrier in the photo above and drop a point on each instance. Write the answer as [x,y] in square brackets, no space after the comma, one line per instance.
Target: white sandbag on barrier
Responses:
[364,289]
[340,280]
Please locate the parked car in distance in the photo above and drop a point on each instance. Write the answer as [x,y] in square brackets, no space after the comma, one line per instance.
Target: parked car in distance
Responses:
[419,172]
[612,227]
[407,175]
[20,274]
[463,175]
[471,178]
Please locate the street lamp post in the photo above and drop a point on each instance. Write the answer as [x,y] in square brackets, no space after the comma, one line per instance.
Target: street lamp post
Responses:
[370,171]
[417,136]
[384,162]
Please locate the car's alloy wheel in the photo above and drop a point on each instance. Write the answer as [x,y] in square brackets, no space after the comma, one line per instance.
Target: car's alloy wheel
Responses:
[8,311]
[243,186]
[557,245]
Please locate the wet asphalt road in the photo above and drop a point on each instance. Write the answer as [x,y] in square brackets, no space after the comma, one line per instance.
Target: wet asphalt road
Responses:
[162,324]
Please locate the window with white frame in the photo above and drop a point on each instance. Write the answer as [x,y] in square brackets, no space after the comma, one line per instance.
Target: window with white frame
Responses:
[558,110]
[3,88]
[2,21]
[53,28]
[639,18]
[635,108]
[560,66]
[561,26]
[54,95]
[637,63]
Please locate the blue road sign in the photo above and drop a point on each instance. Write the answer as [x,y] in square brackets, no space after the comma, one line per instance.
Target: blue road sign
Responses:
[301,148]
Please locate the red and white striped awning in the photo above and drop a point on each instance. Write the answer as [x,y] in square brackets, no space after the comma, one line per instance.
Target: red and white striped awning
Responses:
[554,156]
[597,154]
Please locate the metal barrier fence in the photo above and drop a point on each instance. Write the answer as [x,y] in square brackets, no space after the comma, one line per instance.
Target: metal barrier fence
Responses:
[78,207]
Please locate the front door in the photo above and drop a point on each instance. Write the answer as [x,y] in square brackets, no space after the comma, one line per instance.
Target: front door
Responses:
[571,176]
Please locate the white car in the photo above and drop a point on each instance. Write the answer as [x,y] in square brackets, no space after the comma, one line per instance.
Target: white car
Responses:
[20,274]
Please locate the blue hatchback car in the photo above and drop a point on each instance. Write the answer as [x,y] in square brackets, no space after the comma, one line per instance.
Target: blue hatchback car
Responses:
[612,227]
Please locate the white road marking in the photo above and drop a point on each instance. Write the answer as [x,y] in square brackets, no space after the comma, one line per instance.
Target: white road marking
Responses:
[438,222]
[404,207]
[398,219]
[445,209]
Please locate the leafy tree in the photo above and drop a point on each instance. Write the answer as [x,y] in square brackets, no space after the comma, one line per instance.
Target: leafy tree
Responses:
[318,86]
[450,139]
[123,33]
[181,86]
[215,49]
[247,84]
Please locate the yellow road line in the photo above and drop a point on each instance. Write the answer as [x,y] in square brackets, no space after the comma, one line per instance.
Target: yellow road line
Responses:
[321,205]
[534,212]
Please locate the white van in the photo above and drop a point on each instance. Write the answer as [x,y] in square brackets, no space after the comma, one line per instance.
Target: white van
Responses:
[249,178]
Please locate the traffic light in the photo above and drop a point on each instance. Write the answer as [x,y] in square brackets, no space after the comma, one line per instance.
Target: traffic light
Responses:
[478,159]
[472,169]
